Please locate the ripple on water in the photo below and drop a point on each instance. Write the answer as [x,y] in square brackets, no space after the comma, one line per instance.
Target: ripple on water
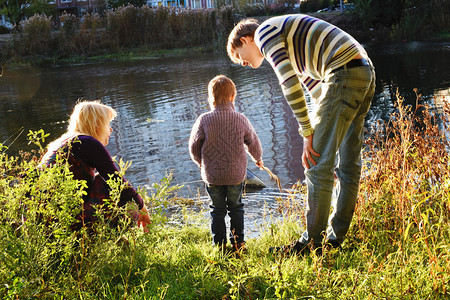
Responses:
[261,210]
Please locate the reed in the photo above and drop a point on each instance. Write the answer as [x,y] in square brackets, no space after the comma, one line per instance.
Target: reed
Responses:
[121,29]
[35,37]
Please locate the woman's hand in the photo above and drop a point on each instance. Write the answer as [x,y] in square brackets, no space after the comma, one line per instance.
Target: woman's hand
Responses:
[144,219]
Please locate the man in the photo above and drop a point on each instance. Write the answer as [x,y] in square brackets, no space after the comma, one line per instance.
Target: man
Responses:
[309,54]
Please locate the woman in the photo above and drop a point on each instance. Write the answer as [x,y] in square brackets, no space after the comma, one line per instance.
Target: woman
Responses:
[84,147]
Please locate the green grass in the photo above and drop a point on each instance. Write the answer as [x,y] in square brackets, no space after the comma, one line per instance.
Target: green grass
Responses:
[124,55]
[397,247]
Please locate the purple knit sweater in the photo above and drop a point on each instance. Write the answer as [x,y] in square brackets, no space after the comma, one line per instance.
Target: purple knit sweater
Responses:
[219,143]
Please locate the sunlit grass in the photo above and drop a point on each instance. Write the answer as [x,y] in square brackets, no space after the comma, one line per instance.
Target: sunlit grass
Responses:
[397,247]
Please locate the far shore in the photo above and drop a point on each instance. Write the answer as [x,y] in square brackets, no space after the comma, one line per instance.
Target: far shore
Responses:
[367,37]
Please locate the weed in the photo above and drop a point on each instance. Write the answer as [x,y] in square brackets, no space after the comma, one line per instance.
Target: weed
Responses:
[397,246]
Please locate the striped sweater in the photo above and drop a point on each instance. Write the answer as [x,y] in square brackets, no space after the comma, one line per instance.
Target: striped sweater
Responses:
[219,142]
[306,49]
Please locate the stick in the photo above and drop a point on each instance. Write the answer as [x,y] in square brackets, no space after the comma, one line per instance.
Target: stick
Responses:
[273,176]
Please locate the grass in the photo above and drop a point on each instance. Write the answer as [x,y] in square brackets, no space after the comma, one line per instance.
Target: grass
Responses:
[397,247]
[133,54]
[124,55]
[117,34]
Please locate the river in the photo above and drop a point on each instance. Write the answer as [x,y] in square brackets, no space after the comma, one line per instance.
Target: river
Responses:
[159,99]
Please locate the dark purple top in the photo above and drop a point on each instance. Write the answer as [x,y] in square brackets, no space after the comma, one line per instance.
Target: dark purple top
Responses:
[92,152]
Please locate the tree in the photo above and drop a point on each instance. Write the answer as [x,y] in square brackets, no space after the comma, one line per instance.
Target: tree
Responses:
[14,11]
[119,3]
[386,12]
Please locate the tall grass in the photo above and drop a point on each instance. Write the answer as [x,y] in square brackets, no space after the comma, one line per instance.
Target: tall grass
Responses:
[122,29]
[35,38]
[404,206]
[422,20]
[397,248]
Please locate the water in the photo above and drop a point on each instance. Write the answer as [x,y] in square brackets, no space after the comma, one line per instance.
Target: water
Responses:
[158,100]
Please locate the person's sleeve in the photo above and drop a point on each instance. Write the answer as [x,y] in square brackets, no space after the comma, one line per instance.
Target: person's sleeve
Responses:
[93,153]
[196,141]
[313,86]
[274,50]
[252,142]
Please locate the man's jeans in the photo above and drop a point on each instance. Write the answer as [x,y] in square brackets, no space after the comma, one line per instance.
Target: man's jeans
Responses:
[338,126]
[227,198]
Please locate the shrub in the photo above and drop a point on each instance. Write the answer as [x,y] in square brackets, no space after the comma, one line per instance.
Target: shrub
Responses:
[405,190]
[90,31]
[314,5]
[41,255]
[419,21]
[122,26]
[127,27]
[34,36]
[69,28]
[4,29]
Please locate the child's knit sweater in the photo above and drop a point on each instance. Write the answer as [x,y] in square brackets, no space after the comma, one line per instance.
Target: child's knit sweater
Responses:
[219,143]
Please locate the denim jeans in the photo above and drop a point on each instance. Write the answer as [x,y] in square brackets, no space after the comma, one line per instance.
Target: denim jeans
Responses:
[338,126]
[226,198]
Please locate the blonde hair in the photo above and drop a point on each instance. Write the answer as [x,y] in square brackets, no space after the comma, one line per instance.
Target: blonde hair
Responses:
[244,28]
[221,89]
[90,118]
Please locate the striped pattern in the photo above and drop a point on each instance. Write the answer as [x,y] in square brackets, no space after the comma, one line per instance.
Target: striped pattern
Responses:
[303,51]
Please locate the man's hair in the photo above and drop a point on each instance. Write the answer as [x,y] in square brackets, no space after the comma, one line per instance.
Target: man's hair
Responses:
[246,27]
[221,89]
[91,118]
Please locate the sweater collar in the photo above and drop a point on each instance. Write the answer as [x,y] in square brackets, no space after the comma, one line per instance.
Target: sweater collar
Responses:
[225,106]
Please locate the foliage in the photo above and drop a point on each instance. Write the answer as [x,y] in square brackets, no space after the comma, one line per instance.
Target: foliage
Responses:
[259,9]
[405,19]
[379,12]
[35,36]
[314,5]
[119,3]
[41,255]
[4,29]
[144,30]
[405,191]
[419,19]
[397,246]
[15,11]
[127,27]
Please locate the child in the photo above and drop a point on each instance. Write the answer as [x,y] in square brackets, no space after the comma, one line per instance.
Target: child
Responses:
[309,54]
[219,143]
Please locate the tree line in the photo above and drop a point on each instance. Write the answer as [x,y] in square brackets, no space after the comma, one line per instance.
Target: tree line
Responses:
[41,34]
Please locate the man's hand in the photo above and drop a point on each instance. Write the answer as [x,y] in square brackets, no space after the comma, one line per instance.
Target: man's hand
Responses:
[308,151]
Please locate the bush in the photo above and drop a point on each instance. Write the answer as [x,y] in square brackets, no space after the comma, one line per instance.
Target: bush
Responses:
[413,19]
[405,190]
[127,27]
[165,28]
[41,255]
[314,5]
[34,36]
[419,21]
[397,246]
[4,29]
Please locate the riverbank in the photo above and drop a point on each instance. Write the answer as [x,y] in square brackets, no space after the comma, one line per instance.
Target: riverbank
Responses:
[90,43]
[397,246]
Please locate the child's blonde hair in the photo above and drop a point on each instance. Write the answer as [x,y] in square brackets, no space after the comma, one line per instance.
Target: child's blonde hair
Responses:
[244,28]
[91,118]
[221,90]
